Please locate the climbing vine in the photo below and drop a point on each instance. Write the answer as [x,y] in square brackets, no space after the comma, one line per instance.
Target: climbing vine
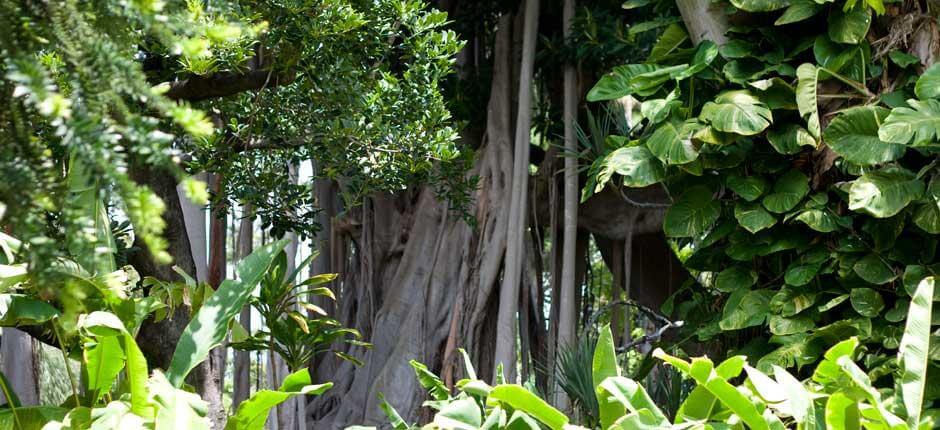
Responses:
[801,158]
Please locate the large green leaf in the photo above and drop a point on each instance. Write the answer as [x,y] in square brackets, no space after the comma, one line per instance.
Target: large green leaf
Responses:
[672,143]
[745,308]
[760,5]
[806,99]
[753,217]
[177,409]
[642,79]
[692,214]
[854,136]
[604,365]
[460,414]
[790,139]
[19,309]
[738,112]
[920,122]
[798,397]
[842,413]
[523,400]
[913,352]
[787,192]
[747,187]
[431,382]
[928,84]
[798,10]
[873,269]
[867,302]
[209,326]
[101,325]
[884,193]
[669,43]
[927,215]
[104,360]
[631,396]
[252,413]
[637,166]
[851,26]
[735,278]
[30,418]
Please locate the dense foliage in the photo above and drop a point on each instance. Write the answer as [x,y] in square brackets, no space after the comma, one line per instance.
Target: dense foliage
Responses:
[839,395]
[800,155]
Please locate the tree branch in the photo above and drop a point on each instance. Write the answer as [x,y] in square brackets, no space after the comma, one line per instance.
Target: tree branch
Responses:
[196,88]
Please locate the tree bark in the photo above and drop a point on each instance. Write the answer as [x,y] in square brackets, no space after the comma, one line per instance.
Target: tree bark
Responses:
[18,355]
[212,383]
[241,384]
[704,19]
[566,314]
[505,354]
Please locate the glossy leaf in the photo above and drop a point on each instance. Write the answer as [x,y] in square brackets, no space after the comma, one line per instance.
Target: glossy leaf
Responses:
[209,326]
[854,135]
[914,349]
[692,214]
[884,193]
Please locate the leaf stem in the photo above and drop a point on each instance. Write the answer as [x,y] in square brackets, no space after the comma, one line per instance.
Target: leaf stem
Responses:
[65,357]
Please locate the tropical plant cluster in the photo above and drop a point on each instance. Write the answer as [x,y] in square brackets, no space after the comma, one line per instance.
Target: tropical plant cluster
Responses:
[800,156]
[732,394]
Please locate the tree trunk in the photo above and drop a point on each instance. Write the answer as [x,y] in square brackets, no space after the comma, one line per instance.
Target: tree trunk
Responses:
[424,262]
[241,384]
[18,355]
[704,19]
[566,313]
[212,383]
[509,292]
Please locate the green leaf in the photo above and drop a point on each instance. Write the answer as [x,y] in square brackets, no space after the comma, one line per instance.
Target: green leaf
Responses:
[747,187]
[735,278]
[669,43]
[798,10]
[252,413]
[790,301]
[30,418]
[394,418]
[787,193]
[799,398]
[431,382]
[692,214]
[626,80]
[842,413]
[672,145]
[867,302]
[177,409]
[636,164]
[927,215]
[104,360]
[101,325]
[603,366]
[806,100]
[760,5]
[928,84]
[753,217]
[631,396]
[873,269]
[819,219]
[914,349]
[461,414]
[849,27]
[790,139]
[705,54]
[884,193]
[738,112]
[745,308]
[782,326]
[854,136]
[19,309]
[703,373]
[208,327]
[920,122]
[522,400]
